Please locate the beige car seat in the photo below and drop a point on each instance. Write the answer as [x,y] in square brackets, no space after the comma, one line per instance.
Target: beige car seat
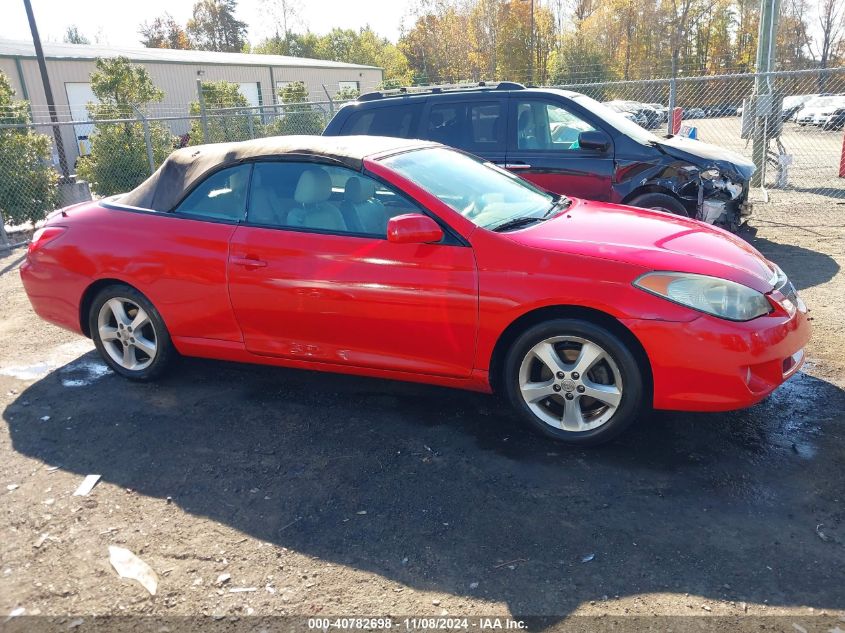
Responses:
[312,209]
[360,207]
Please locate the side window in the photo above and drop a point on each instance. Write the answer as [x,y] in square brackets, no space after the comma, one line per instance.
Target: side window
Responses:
[445,123]
[396,121]
[488,130]
[322,198]
[359,122]
[469,125]
[545,126]
[221,196]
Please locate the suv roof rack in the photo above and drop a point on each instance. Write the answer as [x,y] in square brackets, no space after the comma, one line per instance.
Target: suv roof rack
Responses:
[417,90]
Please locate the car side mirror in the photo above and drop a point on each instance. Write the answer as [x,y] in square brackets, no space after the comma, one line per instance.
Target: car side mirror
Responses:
[413,228]
[594,140]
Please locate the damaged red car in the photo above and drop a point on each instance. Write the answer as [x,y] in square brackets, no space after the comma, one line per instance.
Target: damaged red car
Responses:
[408,260]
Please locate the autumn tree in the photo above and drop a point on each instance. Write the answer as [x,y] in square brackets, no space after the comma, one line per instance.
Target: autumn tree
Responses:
[214,26]
[164,32]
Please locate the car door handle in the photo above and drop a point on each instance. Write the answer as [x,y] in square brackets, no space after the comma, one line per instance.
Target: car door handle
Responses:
[515,165]
[248,262]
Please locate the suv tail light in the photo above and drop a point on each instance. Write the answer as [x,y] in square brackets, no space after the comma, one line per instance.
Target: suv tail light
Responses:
[43,236]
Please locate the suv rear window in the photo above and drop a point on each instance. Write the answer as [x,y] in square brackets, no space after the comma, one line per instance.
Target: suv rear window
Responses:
[399,121]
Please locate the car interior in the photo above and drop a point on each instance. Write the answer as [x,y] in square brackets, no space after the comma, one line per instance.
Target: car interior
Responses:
[327,198]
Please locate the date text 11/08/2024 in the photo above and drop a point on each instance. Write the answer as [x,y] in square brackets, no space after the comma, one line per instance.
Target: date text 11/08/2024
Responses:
[416,624]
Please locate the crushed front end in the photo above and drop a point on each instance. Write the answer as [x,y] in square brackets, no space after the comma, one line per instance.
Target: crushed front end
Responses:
[723,199]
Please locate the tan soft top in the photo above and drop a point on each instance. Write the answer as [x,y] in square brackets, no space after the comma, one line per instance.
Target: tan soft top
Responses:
[185,167]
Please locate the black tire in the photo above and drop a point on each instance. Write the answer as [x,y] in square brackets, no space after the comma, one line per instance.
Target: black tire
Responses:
[633,392]
[659,202]
[150,367]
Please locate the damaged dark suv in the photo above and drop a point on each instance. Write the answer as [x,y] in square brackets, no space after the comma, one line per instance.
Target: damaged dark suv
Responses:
[564,142]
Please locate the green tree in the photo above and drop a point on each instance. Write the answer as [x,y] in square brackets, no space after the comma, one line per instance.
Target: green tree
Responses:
[228,115]
[214,27]
[73,36]
[299,116]
[118,160]
[347,94]
[164,32]
[28,182]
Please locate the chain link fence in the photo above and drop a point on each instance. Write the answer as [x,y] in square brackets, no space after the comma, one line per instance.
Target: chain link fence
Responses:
[105,156]
[802,135]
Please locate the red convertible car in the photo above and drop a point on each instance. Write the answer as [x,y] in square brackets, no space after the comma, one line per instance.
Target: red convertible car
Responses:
[408,260]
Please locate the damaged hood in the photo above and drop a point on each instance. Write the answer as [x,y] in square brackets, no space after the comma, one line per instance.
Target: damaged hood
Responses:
[650,240]
[707,156]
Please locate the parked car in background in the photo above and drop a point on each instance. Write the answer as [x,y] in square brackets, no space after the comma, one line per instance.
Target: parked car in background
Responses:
[662,111]
[409,260]
[563,142]
[793,103]
[720,110]
[817,111]
[628,112]
[642,114]
[836,121]
[694,113]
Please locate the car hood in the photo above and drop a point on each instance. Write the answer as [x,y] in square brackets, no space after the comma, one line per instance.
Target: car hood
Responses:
[707,156]
[649,240]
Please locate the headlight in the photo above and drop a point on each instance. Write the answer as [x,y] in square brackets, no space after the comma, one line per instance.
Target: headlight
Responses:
[710,174]
[719,297]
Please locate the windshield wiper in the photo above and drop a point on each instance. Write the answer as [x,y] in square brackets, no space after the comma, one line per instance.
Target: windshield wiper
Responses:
[562,203]
[516,223]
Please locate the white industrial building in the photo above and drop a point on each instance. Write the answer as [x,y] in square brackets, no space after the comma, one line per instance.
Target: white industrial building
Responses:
[174,71]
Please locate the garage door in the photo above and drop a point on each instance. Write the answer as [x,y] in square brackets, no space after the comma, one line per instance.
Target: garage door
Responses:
[251,92]
[79,95]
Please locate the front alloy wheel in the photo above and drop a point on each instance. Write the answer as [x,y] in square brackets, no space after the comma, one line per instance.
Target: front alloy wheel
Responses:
[574,381]
[570,383]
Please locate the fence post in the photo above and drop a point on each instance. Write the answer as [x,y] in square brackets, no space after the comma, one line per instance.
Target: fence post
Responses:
[4,239]
[203,116]
[250,124]
[148,141]
[331,103]
[673,97]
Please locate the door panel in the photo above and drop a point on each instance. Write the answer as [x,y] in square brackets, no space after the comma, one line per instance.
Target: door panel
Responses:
[355,300]
[543,149]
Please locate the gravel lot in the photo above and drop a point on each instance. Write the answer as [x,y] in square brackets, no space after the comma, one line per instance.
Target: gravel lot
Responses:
[336,495]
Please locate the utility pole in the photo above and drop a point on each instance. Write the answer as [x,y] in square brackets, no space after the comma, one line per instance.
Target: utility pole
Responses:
[763,99]
[533,46]
[48,92]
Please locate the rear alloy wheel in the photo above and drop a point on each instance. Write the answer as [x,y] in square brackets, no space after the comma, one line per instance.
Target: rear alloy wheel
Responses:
[659,202]
[574,381]
[129,333]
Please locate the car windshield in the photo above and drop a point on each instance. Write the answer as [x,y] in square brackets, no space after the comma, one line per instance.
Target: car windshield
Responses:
[481,192]
[617,120]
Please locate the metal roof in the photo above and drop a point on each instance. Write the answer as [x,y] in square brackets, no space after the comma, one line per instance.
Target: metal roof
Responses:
[23,48]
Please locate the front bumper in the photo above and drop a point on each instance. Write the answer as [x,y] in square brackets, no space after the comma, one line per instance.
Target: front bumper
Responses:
[711,364]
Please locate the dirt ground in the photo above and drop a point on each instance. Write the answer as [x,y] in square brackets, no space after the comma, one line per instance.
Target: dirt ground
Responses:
[332,495]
